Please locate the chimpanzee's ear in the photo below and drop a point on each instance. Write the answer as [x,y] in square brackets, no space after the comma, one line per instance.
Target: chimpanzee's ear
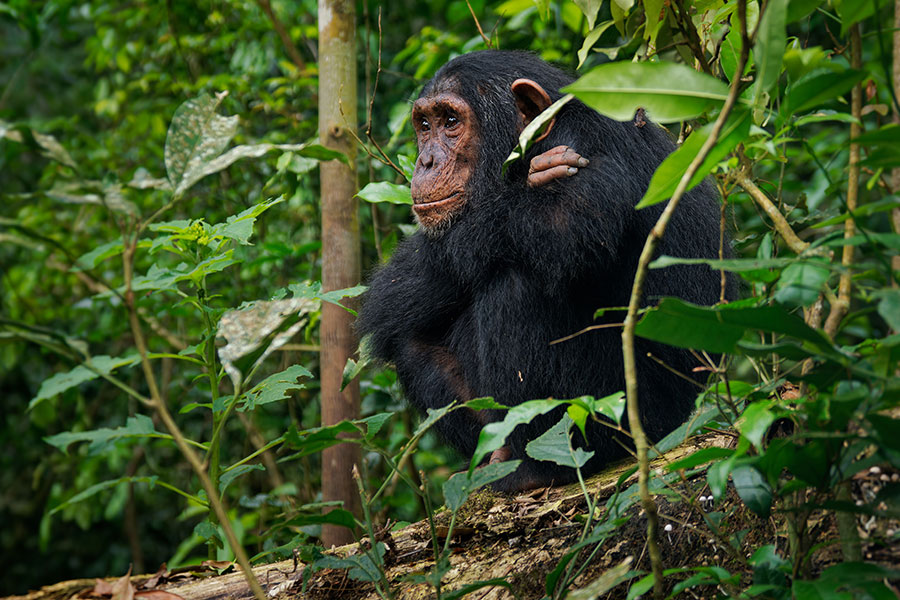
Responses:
[531,100]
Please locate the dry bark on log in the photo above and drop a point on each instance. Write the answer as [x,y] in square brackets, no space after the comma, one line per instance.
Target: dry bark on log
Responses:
[519,539]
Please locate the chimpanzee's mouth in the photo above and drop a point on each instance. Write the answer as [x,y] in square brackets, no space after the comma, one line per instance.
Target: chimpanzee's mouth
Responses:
[418,203]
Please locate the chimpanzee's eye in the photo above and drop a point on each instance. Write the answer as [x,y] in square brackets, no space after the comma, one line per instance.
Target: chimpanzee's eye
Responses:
[452,120]
[424,125]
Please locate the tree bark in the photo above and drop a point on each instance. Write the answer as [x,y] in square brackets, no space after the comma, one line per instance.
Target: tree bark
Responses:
[340,247]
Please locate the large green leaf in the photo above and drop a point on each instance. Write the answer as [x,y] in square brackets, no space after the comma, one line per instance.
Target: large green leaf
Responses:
[554,445]
[817,88]
[670,172]
[138,426]
[383,191]
[92,368]
[276,387]
[669,92]
[493,436]
[769,49]
[196,136]
[717,329]
[800,283]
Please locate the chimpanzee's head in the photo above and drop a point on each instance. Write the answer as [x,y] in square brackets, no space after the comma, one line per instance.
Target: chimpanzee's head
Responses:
[467,120]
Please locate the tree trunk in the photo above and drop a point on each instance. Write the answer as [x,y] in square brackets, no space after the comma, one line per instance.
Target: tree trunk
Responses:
[340,247]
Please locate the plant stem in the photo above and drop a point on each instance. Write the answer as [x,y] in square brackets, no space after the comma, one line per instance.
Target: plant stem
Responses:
[634,420]
[177,435]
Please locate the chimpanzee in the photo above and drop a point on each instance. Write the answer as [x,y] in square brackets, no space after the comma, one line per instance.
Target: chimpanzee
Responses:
[505,264]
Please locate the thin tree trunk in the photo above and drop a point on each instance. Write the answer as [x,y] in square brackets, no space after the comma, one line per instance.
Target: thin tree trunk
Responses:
[340,247]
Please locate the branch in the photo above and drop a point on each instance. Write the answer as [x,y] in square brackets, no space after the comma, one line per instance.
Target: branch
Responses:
[840,307]
[631,386]
[781,225]
[212,494]
[286,40]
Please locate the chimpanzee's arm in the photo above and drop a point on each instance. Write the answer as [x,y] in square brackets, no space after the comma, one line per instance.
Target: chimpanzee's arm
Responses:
[408,300]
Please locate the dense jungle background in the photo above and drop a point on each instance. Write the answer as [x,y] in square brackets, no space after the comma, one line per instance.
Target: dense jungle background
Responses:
[159,166]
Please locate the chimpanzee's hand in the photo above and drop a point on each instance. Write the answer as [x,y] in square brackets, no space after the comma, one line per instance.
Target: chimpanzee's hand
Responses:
[556,163]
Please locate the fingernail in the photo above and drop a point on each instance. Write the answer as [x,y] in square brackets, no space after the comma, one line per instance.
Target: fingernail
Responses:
[572,170]
[583,162]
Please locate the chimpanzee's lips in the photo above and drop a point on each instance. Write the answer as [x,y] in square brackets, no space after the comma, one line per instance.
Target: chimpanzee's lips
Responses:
[420,203]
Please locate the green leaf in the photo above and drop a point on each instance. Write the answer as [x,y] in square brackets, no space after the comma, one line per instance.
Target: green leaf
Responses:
[826,115]
[800,283]
[99,487]
[591,39]
[755,422]
[889,306]
[817,88]
[375,423]
[275,388]
[138,426]
[254,332]
[353,368]
[853,11]
[717,329]
[383,191]
[655,16]
[196,136]
[611,407]
[240,227]
[494,435]
[700,457]
[461,485]
[336,516]
[886,134]
[753,489]
[589,8]
[717,476]
[799,9]
[535,128]
[53,149]
[231,474]
[673,168]
[554,445]
[313,441]
[641,587]
[360,567]
[91,259]
[871,208]
[769,48]
[91,369]
[668,91]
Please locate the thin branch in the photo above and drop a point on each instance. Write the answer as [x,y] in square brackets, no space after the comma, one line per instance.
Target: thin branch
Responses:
[487,40]
[585,330]
[286,40]
[782,226]
[634,419]
[841,305]
[166,417]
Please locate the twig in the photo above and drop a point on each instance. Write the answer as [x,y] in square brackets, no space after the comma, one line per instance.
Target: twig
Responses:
[781,224]
[487,40]
[634,419]
[585,330]
[166,417]
[841,304]
[286,40]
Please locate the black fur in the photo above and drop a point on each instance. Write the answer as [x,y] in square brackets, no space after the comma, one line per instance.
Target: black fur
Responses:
[521,267]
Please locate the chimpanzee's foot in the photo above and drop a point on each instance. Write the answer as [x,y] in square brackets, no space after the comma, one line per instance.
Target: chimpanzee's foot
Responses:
[500,455]
[556,163]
